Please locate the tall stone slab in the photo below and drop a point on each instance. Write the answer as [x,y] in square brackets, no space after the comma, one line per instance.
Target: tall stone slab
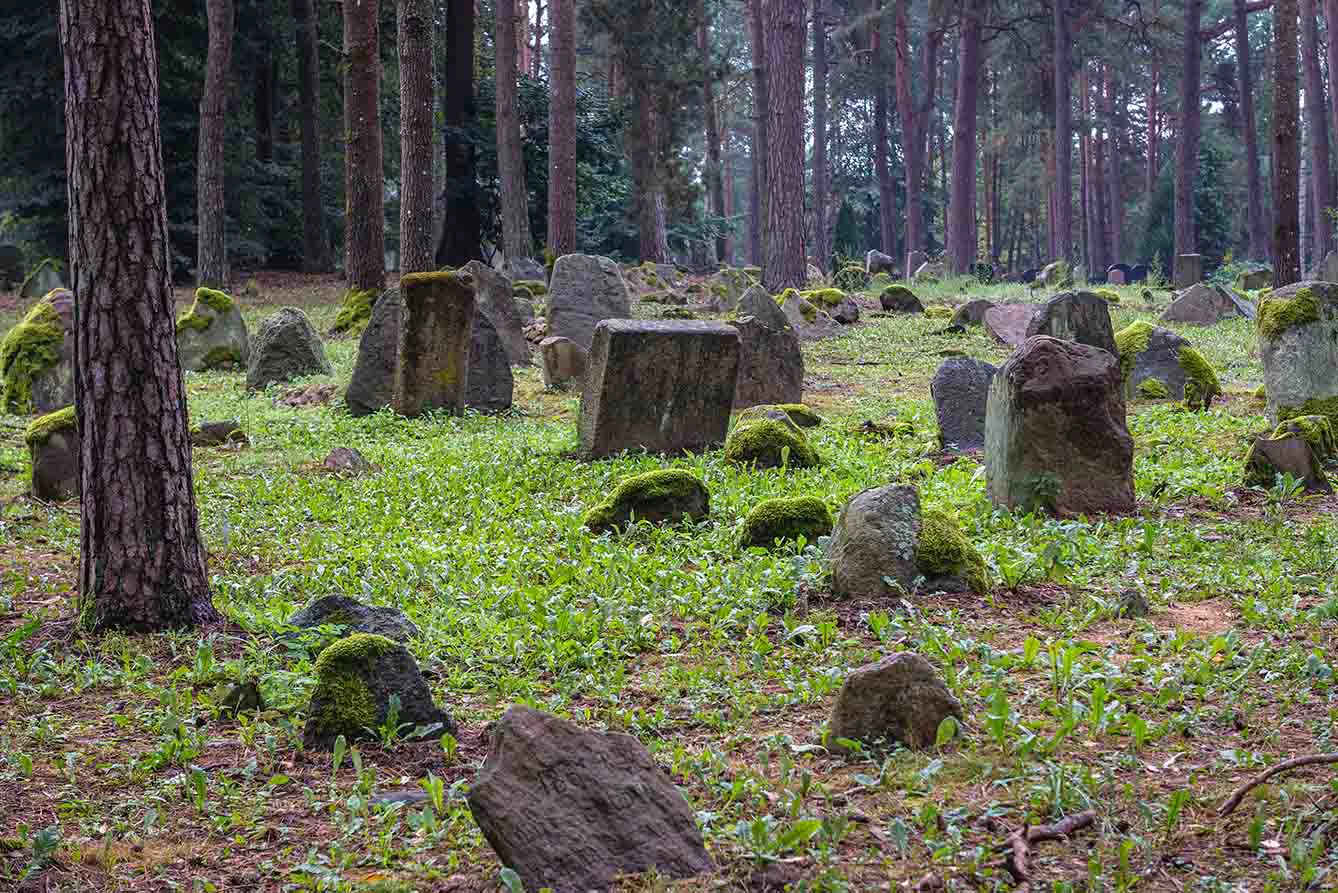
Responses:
[432,361]
[961,389]
[1188,270]
[494,297]
[771,362]
[583,291]
[1298,343]
[664,387]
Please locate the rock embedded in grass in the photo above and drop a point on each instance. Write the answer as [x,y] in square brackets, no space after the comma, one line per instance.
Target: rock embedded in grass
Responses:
[1298,343]
[1157,363]
[37,358]
[222,433]
[783,521]
[356,617]
[1080,316]
[1201,305]
[285,347]
[346,461]
[667,496]
[900,699]
[972,313]
[770,443]
[897,298]
[960,390]
[212,333]
[1008,323]
[1289,454]
[53,444]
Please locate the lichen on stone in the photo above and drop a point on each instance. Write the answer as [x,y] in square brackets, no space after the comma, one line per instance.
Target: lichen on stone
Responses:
[827,297]
[222,355]
[347,706]
[29,349]
[938,311]
[664,484]
[356,311]
[1109,295]
[801,414]
[770,443]
[1325,406]
[40,429]
[1201,384]
[1317,430]
[1131,341]
[1277,315]
[786,520]
[942,550]
[215,301]
[1153,389]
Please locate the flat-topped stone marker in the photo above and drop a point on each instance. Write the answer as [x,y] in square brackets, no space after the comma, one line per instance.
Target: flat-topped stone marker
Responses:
[432,368]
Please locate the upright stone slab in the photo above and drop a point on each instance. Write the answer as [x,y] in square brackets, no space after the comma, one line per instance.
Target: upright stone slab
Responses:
[664,387]
[285,347]
[489,384]
[1008,323]
[1298,343]
[1055,433]
[432,362]
[372,386]
[1080,316]
[565,363]
[914,260]
[570,810]
[771,363]
[583,291]
[961,389]
[876,262]
[1202,305]
[37,358]
[53,443]
[1188,270]
[494,297]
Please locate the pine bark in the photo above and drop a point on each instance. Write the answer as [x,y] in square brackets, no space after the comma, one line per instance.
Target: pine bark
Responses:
[1063,133]
[1286,147]
[1317,126]
[1187,140]
[644,151]
[821,243]
[1115,127]
[416,126]
[758,207]
[963,243]
[142,564]
[461,234]
[1255,224]
[316,256]
[210,212]
[516,240]
[785,265]
[562,128]
[364,226]
[1331,21]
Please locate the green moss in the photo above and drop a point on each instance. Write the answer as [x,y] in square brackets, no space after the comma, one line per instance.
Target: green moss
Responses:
[1201,384]
[944,551]
[898,291]
[437,277]
[1325,406]
[533,286]
[677,313]
[1153,389]
[787,519]
[355,312]
[1130,342]
[938,311]
[1317,430]
[347,706]
[43,427]
[1109,295]
[214,299]
[49,263]
[801,414]
[1260,393]
[222,355]
[828,297]
[851,278]
[29,349]
[653,486]
[806,308]
[1277,315]
[770,443]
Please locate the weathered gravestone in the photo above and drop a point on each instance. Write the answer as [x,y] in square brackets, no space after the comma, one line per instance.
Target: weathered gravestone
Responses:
[285,347]
[1118,274]
[1188,270]
[564,361]
[961,389]
[570,810]
[1007,323]
[663,387]
[876,262]
[1288,454]
[1201,305]
[972,313]
[432,360]
[1254,280]
[1080,316]
[583,291]
[900,699]
[37,358]
[489,384]
[494,297]
[53,443]
[212,333]
[1298,343]
[1055,433]
[771,363]
[1159,364]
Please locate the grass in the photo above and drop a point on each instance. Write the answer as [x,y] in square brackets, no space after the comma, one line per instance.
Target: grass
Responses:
[117,771]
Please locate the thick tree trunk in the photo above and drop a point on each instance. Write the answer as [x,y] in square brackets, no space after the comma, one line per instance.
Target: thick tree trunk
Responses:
[963,244]
[887,211]
[1084,167]
[1255,224]
[1331,22]
[757,34]
[1154,121]
[364,189]
[562,128]
[643,149]
[142,565]
[462,233]
[821,247]
[416,126]
[1317,125]
[1286,147]
[210,213]
[315,245]
[1063,134]
[1187,140]
[516,240]
[785,265]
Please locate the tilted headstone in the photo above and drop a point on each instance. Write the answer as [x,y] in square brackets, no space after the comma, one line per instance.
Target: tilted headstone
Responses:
[53,443]
[1008,323]
[1298,344]
[494,297]
[1201,305]
[432,361]
[583,291]
[961,389]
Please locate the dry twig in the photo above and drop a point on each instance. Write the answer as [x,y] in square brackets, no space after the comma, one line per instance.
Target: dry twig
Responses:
[1313,759]
[1019,843]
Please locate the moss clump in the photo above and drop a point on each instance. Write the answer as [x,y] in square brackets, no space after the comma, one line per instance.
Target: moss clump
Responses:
[851,278]
[1317,430]
[938,311]
[1153,389]
[43,427]
[28,350]
[222,355]
[215,301]
[1109,295]
[806,308]
[347,706]
[1325,406]
[885,430]
[827,297]
[529,288]
[770,443]
[677,313]
[1201,384]
[665,495]
[1260,393]
[1277,315]
[944,551]
[355,312]
[801,414]
[1130,342]
[786,520]
[896,291]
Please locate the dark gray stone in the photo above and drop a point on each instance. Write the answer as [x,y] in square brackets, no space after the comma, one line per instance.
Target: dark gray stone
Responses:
[570,810]
[1008,323]
[340,610]
[757,303]
[55,460]
[495,298]
[584,291]
[1300,356]
[524,269]
[285,347]
[212,434]
[372,385]
[1201,305]
[1080,316]
[1188,270]
[346,461]
[664,387]
[876,262]
[435,336]
[874,541]
[771,364]
[490,386]
[901,699]
[898,298]
[961,389]
[1160,361]
[199,349]
[1289,454]
[972,313]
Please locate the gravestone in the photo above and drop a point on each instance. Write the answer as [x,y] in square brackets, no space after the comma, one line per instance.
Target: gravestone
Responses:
[900,699]
[489,384]
[524,269]
[53,444]
[664,387]
[1007,323]
[285,347]
[37,358]
[564,363]
[1055,433]
[1201,305]
[771,363]
[1289,454]
[1080,316]
[961,389]
[972,313]
[494,297]
[914,260]
[585,290]
[212,333]
[1188,270]
[432,358]
[876,262]
[1253,280]
[899,299]
[1154,354]
[1138,274]
[1298,344]
[1118,274]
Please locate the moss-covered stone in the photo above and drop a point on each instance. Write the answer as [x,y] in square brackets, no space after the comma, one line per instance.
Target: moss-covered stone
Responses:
[215,300]
[1317,430]
[1277,315]
[1201,384]
[1325,406]
[938,311]
[826,297]
[28,350]
[770,443]
[943,551]
[347,705]
[1153,389]
[42,427]
[669,495]
[851,278]
[798,413]
[209,304]
[786,520]
[536,288]
[1109,295]
[355,312]
[223,356]
[1131,341]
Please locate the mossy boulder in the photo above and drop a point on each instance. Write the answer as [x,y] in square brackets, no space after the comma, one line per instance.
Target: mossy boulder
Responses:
[1298,344]
[1109,295]
[667,496]
[770,443]
[355,617]
[851,278]
[835,303]
[810,321]
[37,358]
[786,520]
[972,313]
[53,444]
[897,298]
[945,557]
[798,413]
[938,312]
[356,679]
[212,333]
[355,311]
[1158,364]
[1272,457]
[1317,430]
[285,347]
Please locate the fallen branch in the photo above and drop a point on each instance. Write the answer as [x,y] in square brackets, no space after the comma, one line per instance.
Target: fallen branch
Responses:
[1018,847]
[1285,766]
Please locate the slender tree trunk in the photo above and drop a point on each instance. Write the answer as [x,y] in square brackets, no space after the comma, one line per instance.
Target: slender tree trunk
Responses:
[821,247]
[1331,43]
[914,121]
[1255,223]
[364,186]
[715,189]
[1187,140]
[963,244]
[785,266]
[266,74]
[516,240]
[315,245]
[462,234]
[1286,147]
[1115,127]
[210,211]
[562,128]
[416,125]
[761,150]
[142,565]
[1084,167]
[887,210]
[1317,124]
[1063,133]
[1154,120]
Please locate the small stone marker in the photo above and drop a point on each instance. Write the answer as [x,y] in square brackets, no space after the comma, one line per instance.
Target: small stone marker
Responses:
[972,313]
[1008,323]
[664,387]
[571,810]
[1188,270]
[53,443]
[340,610]
[285,347]
[346,461]
[212,333]
[961,389]
[876,262]
[565,363]
[1080,316]
[1202,305]
[1289,454]
[432,362]
[900,699]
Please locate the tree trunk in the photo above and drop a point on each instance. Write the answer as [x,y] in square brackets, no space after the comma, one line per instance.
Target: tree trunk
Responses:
[516,240]
[1317,125]
[142,565]
[462,234]
[416,125]
[1084,167]
[1187,140]
[562,128]
[364,187]
[887,211]
[1286,147]
[1331,22]
[761,152]
[963,245]
[1255,224]
[210,211]
[315,246]
[821,248]
[1154,120]
[266,75]
[914,122]
[711,173]
[1063,134]
[643,143]
[1115,127]
[785,265]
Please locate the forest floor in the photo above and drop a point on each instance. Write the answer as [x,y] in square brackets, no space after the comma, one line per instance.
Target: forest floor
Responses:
[117,771]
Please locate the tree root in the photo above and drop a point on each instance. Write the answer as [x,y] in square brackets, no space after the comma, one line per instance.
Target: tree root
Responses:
[1018,847]
[1285,766]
